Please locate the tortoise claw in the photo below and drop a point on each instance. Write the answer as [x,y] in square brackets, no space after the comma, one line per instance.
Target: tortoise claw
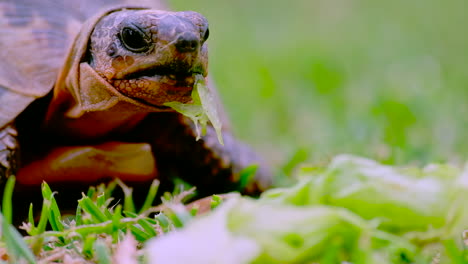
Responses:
[8,151]
[4,159]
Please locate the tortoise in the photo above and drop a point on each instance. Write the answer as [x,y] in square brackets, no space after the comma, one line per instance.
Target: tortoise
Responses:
[83,87]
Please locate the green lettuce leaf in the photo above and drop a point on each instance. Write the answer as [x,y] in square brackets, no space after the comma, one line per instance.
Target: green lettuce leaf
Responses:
[355,211]
[202,109]
[205,240]
[243,230]
[429,200]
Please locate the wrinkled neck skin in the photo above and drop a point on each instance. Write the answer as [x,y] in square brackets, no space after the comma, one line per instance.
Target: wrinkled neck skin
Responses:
[93,125]
[92,110]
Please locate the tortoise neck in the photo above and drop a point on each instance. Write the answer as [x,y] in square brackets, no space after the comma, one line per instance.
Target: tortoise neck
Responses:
[90,125]
[93,126]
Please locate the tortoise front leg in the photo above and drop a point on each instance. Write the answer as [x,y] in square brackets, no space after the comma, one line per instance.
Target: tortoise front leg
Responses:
[205,163]
[229,160]
[86,165]
[9,151]
[71,170]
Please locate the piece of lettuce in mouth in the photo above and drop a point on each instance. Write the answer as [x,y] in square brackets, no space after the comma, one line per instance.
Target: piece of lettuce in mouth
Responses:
[201,110]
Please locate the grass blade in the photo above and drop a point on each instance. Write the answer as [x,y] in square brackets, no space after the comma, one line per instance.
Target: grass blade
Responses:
[139,234]
[78,216]
[128,199]
[247,175]
[7,205]
[110,189]
[88,206]
[88,245]
[55,217]
[31,219]
[150,230]
[41,226]
[16,247]
[116,222]
[153,190]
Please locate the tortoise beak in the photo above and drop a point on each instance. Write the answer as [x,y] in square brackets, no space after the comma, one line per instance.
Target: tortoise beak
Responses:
[158,85]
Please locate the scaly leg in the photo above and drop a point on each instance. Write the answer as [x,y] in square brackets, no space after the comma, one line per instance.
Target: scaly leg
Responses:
[131,162]
[9,152]
[205,163]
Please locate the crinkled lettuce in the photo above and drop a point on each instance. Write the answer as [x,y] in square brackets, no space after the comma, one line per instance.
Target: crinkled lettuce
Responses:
[243,230]
[410,199]
[202,109]
[355,211]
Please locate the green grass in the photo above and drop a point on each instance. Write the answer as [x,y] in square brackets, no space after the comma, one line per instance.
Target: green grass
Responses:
[384,79]
[326,217]
[98,228]
[354,210]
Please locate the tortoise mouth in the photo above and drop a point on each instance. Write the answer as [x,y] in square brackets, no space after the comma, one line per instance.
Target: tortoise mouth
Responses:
[158,85]
[181,75]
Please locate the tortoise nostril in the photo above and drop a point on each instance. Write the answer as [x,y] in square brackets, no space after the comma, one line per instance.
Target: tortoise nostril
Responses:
[187,43]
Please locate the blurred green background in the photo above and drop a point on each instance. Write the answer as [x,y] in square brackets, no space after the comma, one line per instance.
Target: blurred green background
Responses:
[383,79]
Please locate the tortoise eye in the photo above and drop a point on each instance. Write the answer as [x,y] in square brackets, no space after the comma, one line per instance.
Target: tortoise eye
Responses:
[206,35]
[134,40]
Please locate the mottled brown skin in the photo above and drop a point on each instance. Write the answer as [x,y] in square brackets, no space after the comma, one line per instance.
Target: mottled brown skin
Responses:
[163,57]
[145,80]
[114,122]
[9,154]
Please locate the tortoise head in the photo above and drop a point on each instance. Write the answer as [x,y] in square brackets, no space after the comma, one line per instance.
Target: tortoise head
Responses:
[150,55]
